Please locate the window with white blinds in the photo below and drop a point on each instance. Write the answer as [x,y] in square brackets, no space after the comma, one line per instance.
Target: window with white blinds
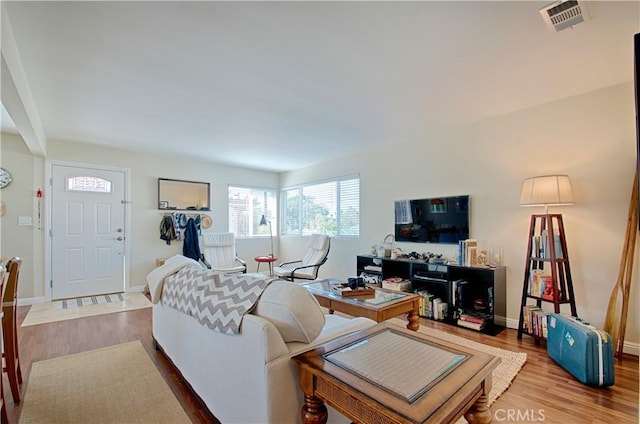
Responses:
[330,207]
[246,207]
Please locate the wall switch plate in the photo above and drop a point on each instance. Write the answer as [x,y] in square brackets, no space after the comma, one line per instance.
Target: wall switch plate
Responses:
[25,221]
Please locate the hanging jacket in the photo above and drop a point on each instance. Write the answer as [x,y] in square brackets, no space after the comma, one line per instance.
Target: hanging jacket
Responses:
[176,224]
[191,246]
[167,230]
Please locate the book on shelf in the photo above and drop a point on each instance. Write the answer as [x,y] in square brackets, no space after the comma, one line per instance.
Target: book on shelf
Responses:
[534,284]
[490,299]
[456,290]
[468,252]
[373,268]
[537,281]
[472,325]
[536,247]
[540,246]
[397,284]
[546,285]
[430,306]
[543,321]
[421,302]
[442,310]
[535,320]
[434,307]
[460,287]
[472,318]
[526,317]
[541,285]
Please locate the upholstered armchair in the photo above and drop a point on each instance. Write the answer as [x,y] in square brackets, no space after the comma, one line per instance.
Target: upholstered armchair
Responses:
[219,253]
[307,267]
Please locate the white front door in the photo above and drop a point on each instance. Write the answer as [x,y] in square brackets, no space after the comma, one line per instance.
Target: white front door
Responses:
[87,231]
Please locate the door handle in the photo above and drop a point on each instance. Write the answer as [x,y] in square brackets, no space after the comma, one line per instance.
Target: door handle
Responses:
[119,238]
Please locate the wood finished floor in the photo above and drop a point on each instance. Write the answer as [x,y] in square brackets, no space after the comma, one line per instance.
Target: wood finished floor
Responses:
[541,393]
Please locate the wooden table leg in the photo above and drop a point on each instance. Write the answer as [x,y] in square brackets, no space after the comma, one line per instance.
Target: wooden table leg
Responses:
[479,413]
[313,411]
[414,320]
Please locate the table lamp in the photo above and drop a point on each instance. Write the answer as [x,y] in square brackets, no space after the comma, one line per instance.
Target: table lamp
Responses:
[265,221]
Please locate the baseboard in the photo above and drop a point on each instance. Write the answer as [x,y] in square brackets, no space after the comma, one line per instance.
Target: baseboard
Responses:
[628,347]
[631,348]
[512,323]
[136,288]
[31,300]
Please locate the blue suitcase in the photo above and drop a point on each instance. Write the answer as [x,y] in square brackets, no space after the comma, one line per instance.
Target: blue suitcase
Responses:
[581,349]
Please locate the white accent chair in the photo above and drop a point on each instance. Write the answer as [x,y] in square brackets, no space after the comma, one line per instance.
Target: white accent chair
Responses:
[307,267]
[219,253]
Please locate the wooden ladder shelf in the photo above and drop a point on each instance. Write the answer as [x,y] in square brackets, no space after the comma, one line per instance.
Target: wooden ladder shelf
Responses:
[547,245]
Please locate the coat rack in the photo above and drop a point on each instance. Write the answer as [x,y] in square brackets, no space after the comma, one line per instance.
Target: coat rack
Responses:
[205,220]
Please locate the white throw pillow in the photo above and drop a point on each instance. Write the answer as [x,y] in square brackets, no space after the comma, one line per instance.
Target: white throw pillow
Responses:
[292,309]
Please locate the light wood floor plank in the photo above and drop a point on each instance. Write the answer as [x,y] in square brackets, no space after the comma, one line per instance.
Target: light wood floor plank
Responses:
[542,391]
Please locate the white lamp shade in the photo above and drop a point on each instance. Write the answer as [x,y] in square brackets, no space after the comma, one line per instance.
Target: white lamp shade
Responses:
[547,190]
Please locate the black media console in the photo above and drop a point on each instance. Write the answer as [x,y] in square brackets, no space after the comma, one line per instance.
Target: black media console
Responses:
[469,293]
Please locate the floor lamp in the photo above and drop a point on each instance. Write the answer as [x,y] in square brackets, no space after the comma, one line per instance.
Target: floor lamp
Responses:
[547,190]
[265,221]
[546,244]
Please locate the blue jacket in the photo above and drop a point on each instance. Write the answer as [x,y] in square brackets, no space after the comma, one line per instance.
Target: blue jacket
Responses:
[191,246]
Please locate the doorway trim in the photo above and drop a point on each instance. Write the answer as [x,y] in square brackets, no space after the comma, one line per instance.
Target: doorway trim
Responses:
[50,163]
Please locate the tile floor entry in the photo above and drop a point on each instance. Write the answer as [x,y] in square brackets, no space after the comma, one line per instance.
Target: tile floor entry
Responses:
[41,313]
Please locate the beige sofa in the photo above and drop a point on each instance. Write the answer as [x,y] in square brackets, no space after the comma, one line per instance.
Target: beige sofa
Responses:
[250,377]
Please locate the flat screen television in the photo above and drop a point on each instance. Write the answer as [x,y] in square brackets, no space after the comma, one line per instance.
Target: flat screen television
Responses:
[432,220]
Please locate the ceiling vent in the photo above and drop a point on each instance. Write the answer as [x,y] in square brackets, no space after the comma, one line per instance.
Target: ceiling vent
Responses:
[564,14]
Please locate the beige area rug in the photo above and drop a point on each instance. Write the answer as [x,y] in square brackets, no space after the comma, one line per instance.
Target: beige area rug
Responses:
[503,375]
[42,313]
[117,384]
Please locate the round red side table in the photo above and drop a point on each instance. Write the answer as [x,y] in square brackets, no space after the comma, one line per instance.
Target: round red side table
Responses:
[269,260]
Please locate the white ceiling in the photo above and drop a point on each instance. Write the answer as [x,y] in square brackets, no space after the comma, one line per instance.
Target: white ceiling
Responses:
[282,85]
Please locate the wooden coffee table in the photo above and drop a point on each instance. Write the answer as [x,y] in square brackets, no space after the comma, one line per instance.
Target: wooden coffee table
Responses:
[381,306]
[387,374]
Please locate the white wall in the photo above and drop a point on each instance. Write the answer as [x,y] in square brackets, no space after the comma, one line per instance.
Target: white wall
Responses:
[589,137]
[145,169]
[20,200]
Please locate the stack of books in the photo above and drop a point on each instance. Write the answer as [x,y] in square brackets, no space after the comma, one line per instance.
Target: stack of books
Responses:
[540,246]
[397,284]
[535,321]
[474,322]
[468,252]
[432,307]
